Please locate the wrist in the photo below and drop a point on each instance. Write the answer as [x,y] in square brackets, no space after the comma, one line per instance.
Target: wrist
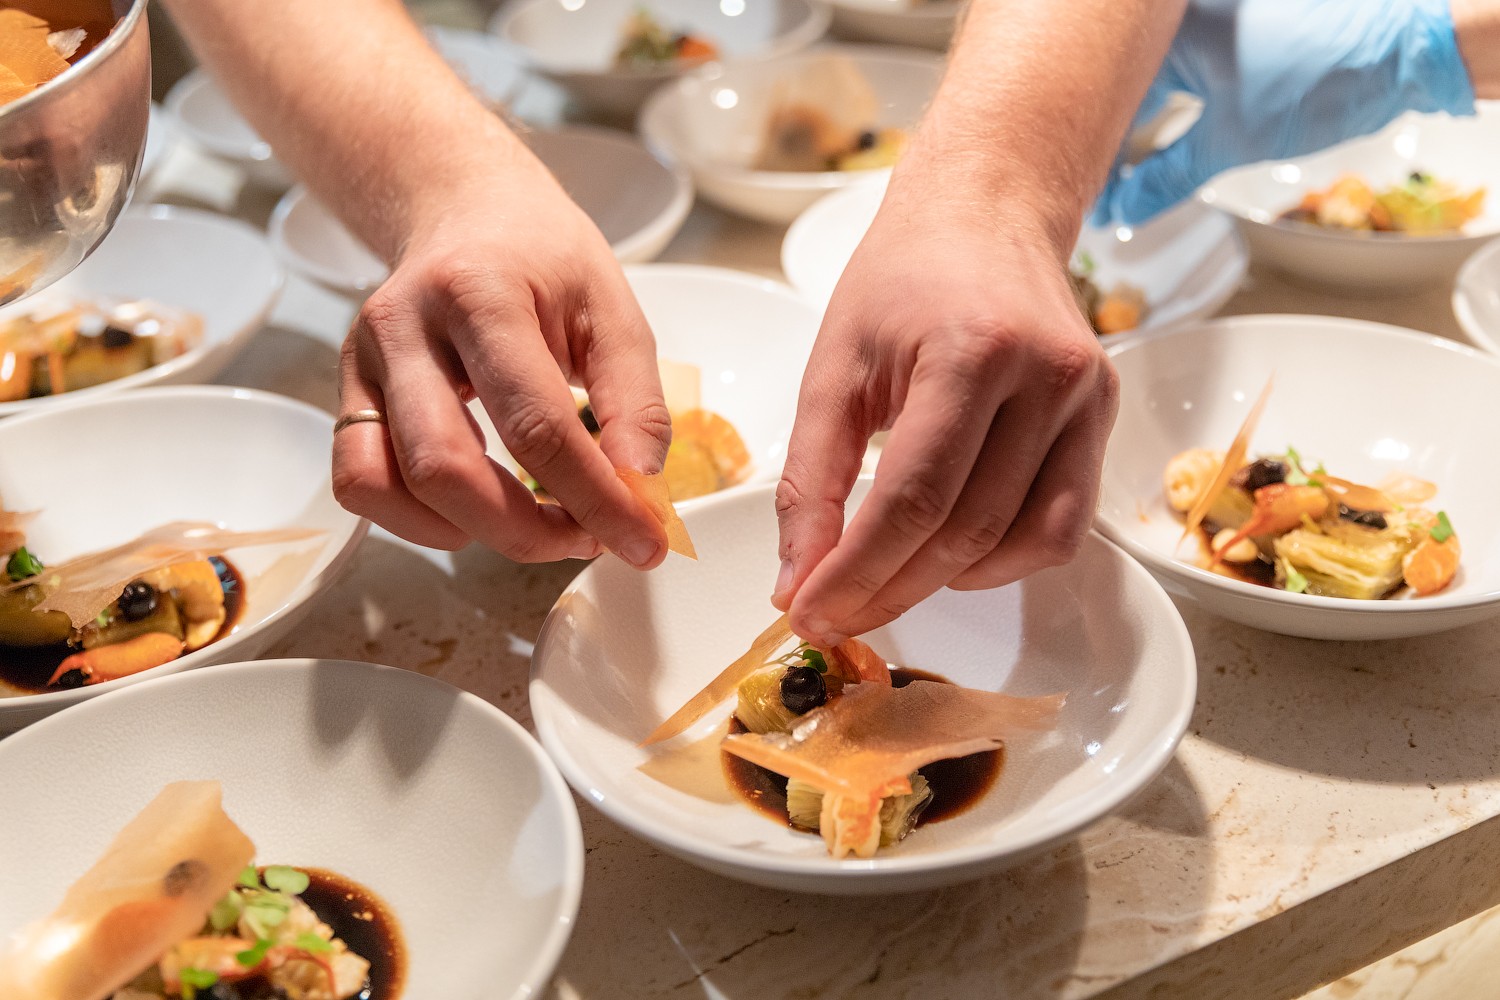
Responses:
[1476,32]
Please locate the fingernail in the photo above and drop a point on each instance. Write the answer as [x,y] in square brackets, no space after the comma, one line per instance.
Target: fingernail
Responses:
[820,629]
[783,579]
[639,552]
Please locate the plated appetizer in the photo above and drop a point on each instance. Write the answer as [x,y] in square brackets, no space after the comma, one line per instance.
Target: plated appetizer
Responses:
[1286,523]
[1420,205]
[34,51]
[59,346]
[175,909]
[1121,308]
[825,117]
[835,741]
[649,44]
[116,613]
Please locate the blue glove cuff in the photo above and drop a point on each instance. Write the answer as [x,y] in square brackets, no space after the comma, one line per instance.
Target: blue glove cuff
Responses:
[1433,74]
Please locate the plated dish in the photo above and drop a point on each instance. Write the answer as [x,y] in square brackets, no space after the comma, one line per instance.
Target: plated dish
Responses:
[621,652]
[1373,482]
[1390,233]
[768,138]
[376,765]
[1182,266]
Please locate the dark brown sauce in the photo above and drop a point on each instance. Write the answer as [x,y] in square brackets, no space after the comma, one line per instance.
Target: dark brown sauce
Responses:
[26,669]
[1260,573]
[957,785]
[362,921]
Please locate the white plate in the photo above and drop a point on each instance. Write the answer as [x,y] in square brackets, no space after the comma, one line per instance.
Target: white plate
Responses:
[430,797]
[219,268]
[928,23]
[622,650]
[1188,262]
[1365,399]
[638,202]
[1476,297]
[1465,151]
[575,43]
[749,336]
[713,121]
[104,471]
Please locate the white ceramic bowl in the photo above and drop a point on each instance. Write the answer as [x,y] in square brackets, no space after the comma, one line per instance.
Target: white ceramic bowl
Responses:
[1465,151]
[621,651]
[1365,399]
[1188,262]
[1476,297]
[928,23]
[575,42]
[749,336]
[219,268]
[204,115]
[713,122]
[430,797]
[638,202]
[104,471]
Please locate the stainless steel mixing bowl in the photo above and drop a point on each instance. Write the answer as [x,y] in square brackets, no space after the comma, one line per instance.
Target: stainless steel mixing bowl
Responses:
[69,155]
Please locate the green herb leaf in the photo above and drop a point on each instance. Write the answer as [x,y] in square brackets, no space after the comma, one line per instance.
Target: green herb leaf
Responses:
[1086,263]
[198,979]
[250,877]
[1443,530]
[1293,457]
[23,565]
[266,911]
[285,879]
[102,618]
[1296,583]
[226,912]
[310,942]
[252,957]
[815,659]
[1296,477]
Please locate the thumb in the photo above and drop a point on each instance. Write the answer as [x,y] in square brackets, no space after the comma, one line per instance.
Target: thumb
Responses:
[1138,194]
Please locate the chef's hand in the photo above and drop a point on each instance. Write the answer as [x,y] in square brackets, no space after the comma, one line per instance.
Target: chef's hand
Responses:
[507,291]
[1280,78]
[960,332]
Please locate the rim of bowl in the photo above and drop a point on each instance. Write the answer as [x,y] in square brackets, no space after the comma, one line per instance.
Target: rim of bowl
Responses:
[293,258]
[312,584]
[814,24]
[1463,308]
[1208,194]
[542,966]
[257,152]
[1139,772]
[662,101]
[115,40]
[1192,575]
[167,369]
[930,10]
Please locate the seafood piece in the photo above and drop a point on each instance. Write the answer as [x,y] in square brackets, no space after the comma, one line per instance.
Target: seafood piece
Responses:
[707,455]
[898,814]
[1279,508]
[200,595]
[120,659]
[1188,476]
[1433,564]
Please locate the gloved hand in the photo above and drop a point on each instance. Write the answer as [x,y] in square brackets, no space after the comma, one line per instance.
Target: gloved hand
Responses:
[1280,78]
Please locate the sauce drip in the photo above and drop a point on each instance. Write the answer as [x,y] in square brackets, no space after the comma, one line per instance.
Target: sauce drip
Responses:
[363,922]
[956,784]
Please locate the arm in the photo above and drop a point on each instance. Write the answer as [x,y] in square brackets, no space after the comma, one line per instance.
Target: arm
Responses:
[1477,27]
[501,287]
[956,326]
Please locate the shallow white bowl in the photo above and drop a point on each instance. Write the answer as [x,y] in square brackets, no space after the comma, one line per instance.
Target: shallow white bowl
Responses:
[621,651]
[928,23]
[713,122]
[1365,399]
[638,203]
[575,43]
[1188,262]
[1465,151]
[749,336]
[104,471]
[219,268]
[431,797]
[1476,297]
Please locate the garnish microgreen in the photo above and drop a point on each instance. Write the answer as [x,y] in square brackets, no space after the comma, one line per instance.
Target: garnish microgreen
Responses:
[1443,530]
[226,912]
[311,943]
[102,618]
[813,658]
[1086,263]
[285,879]
[23,565]
[198,979]
[265,911]
[1296,583]
[251,957]
[249,877]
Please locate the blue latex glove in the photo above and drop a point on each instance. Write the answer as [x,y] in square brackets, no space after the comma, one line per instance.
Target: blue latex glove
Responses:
[1280,78]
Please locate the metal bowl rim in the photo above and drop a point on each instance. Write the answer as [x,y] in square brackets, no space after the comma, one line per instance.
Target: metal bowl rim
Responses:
[117,38]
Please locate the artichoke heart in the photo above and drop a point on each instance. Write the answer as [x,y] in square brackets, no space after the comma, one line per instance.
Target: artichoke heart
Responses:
[760,708]
[898,814]
[1341,559]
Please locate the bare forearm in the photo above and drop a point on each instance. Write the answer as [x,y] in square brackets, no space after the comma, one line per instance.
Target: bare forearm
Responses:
[353,99]
[1476,23]
[1037,98]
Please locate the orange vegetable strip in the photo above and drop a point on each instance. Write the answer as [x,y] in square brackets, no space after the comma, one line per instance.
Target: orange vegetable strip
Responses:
[652,491]
[724,685]
[1233,459]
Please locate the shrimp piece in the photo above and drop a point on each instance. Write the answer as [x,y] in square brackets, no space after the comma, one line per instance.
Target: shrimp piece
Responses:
[1279,508]
[1432,565]
[850,824]
[200,595]
[120,659]
[1188,474]
[855,661]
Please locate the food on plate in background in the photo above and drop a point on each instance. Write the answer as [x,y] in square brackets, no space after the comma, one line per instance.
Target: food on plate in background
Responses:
[1121,308]
[1288,523]
[40,43]
[116,613]
[1419,205]
[825,116]
[649,44]
[60,345]
[175,910]
[835,741]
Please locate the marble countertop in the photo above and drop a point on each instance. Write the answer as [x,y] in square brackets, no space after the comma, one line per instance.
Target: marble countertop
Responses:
[1331,803]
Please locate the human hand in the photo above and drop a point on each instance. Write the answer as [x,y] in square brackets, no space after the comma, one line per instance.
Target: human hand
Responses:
[961,333]
[1281,78]
[507,291]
